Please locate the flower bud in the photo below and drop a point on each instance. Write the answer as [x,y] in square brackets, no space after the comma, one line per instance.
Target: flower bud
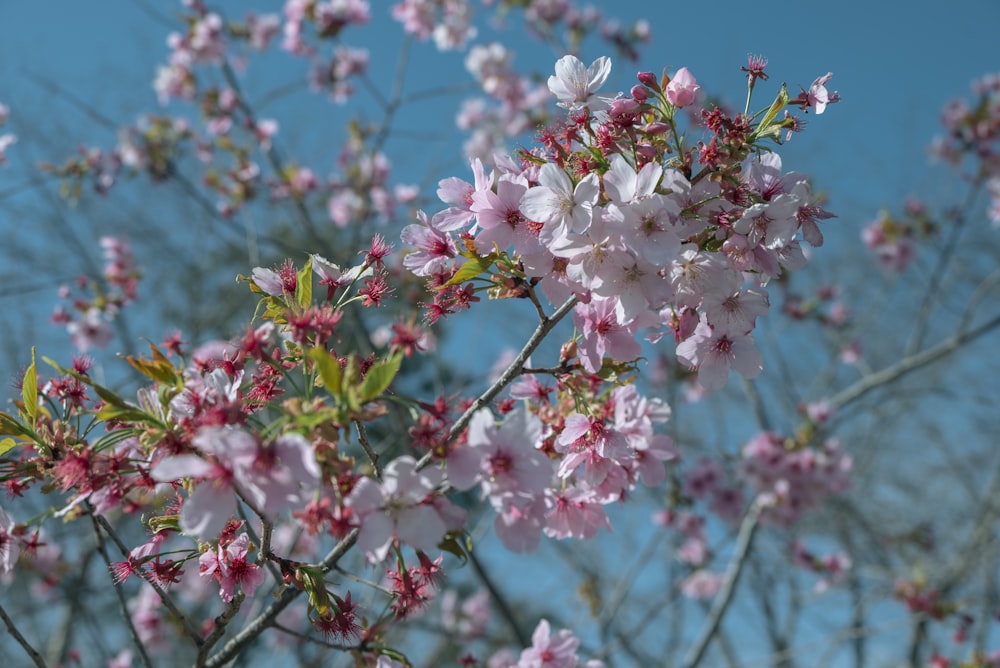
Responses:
[653,129]
[646,152]
[648,79]
[683,88]
[639,93]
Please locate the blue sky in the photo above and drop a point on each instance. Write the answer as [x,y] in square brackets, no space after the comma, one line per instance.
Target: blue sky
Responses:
[893,63]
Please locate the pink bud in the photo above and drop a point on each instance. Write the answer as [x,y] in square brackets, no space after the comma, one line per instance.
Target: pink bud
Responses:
[648,79]
[639,93]
[682,89]
[646,152]
[653,129]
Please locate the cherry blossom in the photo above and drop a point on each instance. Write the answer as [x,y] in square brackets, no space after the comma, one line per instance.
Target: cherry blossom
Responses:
[230,567]
[713,353]
[682,89]
[398,508]
[576,86]
[8,544]
[504,460]
[560,205]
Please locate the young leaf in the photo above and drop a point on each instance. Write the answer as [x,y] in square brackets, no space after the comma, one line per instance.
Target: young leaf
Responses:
[471,269]
[6,445]
[29,390]
[330,373]
[9,426]
[763,128]
[304,284]
[379,377]
[159,368]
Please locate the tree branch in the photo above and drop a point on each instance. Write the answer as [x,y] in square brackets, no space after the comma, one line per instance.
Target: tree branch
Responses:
[25,645]
[510,373]
[909,364]
[721,604]
[165,598]
[500,600]
[122,606]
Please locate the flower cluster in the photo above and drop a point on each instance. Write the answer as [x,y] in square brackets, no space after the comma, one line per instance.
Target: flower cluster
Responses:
[298,427]
[90,327]
[609,212]
[792,478]
[972,142]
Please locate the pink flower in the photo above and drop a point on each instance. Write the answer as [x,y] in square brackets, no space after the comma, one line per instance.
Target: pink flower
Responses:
[550,650]
[431,247]
[230,567]
[575,513]
[504,460]
[90,331]
[556,203]
[274,478]
[459,195]
[401,507]
[713,353]
[604,334]
[682,89]
[6,141]
[8,544]
[702,584]
[468,620]
[520,529]
[818,96]
[575,85]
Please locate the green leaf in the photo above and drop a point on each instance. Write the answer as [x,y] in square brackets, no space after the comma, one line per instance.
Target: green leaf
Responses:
[126,414]
[763,128]
[351,392]
[9,426]
[6,445]
[104,393]
[159,368]
[379,377]
[29,391]
[304,284]
[330,373]
[314,585]
[457,543]
[472,268]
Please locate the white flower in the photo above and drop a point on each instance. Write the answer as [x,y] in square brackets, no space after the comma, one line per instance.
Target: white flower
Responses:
[556,203]
[575,85]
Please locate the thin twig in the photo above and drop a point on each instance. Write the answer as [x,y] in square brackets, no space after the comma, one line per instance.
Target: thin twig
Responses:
[510,373]
[909,364]
[266,618]
[725,596]
[937,274]
[271,152]
[501,601]
[25,645]
[219,628]
[165,598]
[122,606]
[372,455]
[620,593]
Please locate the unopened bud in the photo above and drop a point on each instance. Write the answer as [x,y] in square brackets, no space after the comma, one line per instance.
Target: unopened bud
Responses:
[655,128]
[646,152]
[639,93]
[647,79]
[567,352]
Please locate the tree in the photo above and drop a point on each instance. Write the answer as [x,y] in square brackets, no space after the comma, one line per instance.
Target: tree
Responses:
[322,470]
